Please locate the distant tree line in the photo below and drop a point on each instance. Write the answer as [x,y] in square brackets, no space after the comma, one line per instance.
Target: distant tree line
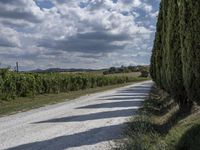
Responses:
[175,61]
[124,69]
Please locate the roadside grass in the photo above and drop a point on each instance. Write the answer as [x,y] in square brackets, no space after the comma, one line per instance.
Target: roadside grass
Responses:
[160,125]
[22,104]
[127,74]
[130,74]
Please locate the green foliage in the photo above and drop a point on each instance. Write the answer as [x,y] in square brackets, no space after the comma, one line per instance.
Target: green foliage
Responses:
[175,65]
[124,69]
[144,74]
[141,135]
[162,126]
[25,84]
[14,84]
[156,59]
[190,139]
[190,44]
[174,76]
[164,61]
[9,86]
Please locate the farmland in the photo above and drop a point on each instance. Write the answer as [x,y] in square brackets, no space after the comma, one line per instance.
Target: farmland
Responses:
[23,91]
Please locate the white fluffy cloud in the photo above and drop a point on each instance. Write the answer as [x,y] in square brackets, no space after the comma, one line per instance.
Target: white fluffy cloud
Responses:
[76,33]
[9,37]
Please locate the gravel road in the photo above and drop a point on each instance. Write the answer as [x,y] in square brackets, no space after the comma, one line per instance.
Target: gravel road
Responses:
[91,122]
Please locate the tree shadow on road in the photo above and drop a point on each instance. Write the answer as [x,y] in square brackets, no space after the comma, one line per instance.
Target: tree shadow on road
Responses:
[125,98]
[93,116]
[114,104]
[90,137]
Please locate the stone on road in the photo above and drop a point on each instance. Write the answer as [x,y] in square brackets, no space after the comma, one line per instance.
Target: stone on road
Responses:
[92,122]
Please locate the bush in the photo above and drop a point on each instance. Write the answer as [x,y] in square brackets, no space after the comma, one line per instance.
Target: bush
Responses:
[144,74]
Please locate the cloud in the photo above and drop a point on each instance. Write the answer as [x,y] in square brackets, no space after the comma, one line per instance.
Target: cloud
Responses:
[20,10]
[81,33]
[90,42]
[9,38]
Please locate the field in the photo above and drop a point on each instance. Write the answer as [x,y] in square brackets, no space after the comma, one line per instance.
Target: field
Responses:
[131,74]
[14,84]
[24,91]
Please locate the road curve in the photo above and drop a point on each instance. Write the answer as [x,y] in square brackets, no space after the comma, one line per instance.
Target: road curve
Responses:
[91,122]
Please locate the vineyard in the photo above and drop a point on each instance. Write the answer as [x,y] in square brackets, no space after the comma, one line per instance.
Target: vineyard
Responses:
[14,84]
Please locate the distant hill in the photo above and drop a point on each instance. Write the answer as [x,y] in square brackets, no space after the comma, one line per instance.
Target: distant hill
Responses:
[111,70]
[61,70]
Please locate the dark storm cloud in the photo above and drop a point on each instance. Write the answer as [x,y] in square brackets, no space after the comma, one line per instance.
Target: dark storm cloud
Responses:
[92,42]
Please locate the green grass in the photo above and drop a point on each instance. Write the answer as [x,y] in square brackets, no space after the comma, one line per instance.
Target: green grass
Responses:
[130,74]
[127,74]
[160,125]
[27,103]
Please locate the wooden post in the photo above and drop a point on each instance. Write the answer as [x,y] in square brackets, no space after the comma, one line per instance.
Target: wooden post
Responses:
[17,66]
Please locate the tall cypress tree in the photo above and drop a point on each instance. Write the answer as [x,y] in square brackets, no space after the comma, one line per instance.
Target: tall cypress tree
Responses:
[173,61]
[152,66]
[164,60]
[189,15]
[156,58]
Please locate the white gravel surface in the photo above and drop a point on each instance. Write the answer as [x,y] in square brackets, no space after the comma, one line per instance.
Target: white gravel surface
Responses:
[92,122]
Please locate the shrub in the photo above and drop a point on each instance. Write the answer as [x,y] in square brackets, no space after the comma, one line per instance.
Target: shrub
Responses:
[144,74]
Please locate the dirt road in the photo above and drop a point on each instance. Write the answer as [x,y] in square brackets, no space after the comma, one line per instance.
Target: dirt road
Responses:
[92,122]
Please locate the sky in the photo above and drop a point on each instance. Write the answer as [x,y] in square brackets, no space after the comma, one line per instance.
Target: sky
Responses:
[76,33]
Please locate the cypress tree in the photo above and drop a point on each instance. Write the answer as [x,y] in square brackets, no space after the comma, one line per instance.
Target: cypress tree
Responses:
[164,60]
[175,61]
[156,58]
[152,66]
[189,15]
[172,49]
